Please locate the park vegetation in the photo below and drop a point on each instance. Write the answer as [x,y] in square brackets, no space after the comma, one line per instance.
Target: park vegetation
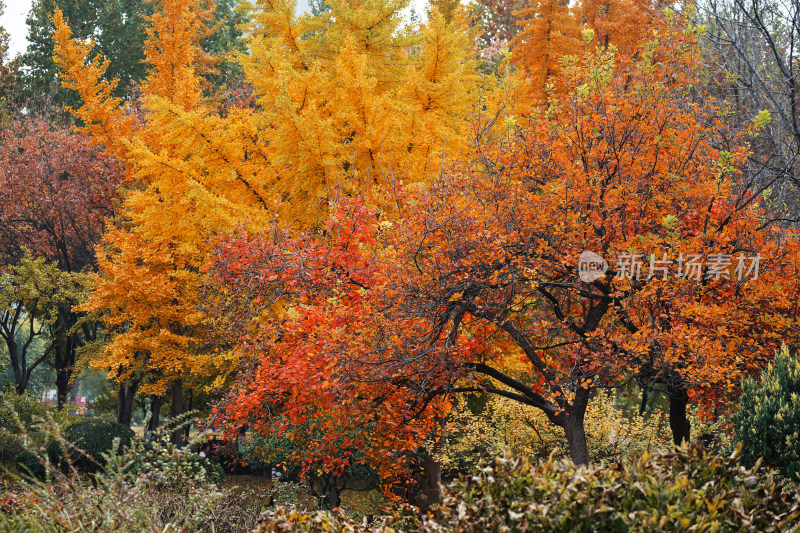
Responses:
[496,266]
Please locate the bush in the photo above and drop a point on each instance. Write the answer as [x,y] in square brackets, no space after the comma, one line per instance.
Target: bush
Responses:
[31,464]
[150,487]
[502,425]
[767,421]
[680,491]
[167,463]
[17,412]
[336,521]
[88,441]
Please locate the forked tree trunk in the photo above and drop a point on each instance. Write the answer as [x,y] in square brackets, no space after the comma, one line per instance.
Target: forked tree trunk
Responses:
[330,494]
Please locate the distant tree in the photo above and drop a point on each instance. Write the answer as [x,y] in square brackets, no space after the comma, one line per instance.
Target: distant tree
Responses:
[119,30]
[318,7]
[55,193]
[754,44]
[9,69]
[33,297]
[498,20]
[116,26]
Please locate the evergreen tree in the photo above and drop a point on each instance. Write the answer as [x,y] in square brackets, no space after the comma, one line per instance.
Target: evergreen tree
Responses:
[117,28]
[767,421]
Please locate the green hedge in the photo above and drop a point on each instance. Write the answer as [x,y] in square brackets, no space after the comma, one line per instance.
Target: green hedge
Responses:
[93,437]
[30,464]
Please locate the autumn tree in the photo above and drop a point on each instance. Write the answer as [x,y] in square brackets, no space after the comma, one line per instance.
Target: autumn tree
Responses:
[118,29]
[552,29]
[35,296]
[116,26]
[390,316]
[549,31]
[55,194]
[341,100]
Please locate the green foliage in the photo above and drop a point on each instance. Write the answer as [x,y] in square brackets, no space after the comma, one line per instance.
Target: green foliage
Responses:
[34,295]
[20,418]
[767,421]
[276,451]
[16,409]
[229,17]
[117,28]
[687,490]
[259,455]
[147,487]
[89,440]
[168,463]
[31,464]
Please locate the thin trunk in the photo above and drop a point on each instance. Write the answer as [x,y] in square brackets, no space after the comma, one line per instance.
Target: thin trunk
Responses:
[125,396]
[64,364]
[643,404]
[155,414]
[678,421]
[180,435]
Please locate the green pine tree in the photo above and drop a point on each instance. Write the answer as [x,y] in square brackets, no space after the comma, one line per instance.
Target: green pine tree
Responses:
[767,422]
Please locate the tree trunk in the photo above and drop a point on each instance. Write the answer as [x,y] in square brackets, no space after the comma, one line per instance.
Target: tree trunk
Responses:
[431,482]
[330,495]
[64,364]
[180,435]
[155,413]
[125,396]
[678,422]
[573,424]
[576,439]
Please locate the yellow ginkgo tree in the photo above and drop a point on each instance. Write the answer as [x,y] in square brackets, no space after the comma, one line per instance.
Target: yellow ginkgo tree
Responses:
[349,100]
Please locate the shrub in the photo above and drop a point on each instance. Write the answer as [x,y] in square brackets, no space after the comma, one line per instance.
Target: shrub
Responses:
[88,441]
[19,413]
[503,425]
[686,490]
[767,422]
[336,521]
[166,463]
[150,487]
[31,464]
